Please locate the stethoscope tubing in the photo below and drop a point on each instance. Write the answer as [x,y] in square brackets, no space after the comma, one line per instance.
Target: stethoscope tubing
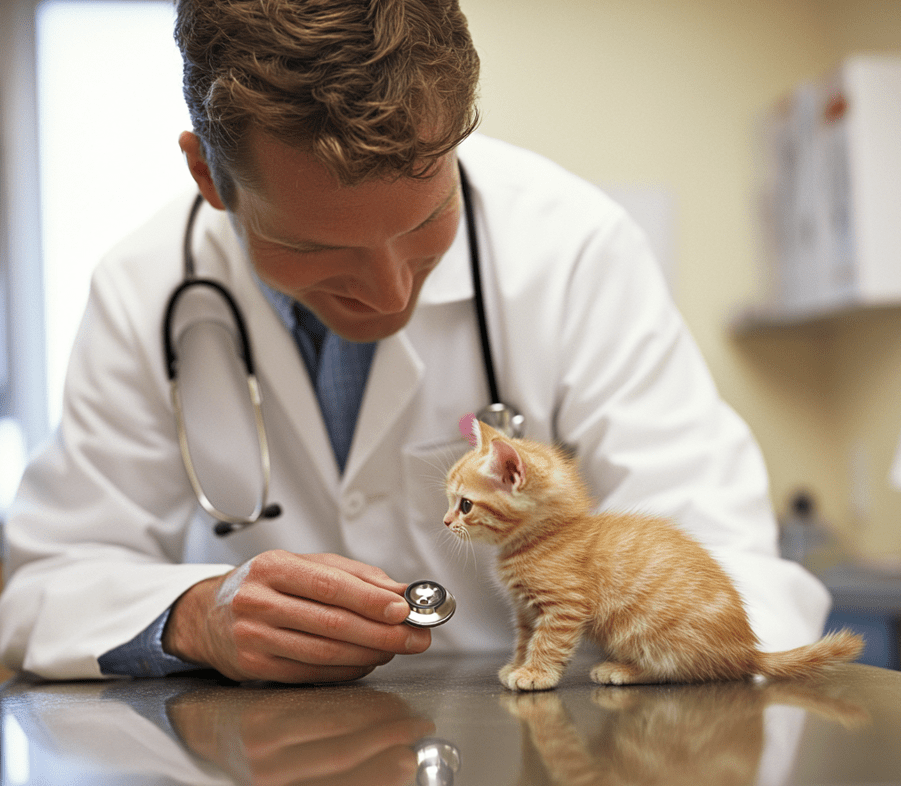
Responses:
[498,414]
[475,267]
[168,342]
[226,523]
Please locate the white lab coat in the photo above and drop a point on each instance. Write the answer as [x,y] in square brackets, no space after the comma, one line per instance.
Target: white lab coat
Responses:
[105,533]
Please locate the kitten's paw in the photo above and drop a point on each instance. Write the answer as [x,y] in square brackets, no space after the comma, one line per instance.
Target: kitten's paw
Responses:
[526,678]
[610,673]
[506,671]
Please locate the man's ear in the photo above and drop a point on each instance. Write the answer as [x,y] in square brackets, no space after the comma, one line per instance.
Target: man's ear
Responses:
[199,169]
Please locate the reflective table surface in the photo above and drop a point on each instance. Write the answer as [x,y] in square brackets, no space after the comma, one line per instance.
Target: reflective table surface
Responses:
[437,720]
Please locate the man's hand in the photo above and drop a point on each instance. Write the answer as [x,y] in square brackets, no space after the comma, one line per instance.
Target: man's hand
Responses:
[293,618]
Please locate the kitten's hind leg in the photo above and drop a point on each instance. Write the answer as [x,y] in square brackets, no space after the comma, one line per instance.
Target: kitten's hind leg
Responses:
[612,673]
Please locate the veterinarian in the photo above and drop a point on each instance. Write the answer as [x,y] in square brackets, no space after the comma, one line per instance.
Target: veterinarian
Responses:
[328,145]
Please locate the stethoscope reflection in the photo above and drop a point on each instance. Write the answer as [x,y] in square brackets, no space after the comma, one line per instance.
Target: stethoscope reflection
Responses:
[437,762]
[674,735]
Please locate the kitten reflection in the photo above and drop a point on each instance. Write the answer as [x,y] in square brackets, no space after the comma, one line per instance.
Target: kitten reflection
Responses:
[711,733]
[305,735]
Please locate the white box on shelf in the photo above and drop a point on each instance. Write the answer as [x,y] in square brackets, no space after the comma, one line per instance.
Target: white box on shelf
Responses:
[873,90]
[832,191]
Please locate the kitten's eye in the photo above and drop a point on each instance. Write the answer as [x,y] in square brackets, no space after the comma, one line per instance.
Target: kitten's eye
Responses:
[465,506]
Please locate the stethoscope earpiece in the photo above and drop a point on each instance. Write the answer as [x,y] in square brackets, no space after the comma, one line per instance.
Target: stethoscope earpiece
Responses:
[223,528]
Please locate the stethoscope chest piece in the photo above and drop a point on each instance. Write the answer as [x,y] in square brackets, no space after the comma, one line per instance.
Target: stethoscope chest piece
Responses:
[430,604]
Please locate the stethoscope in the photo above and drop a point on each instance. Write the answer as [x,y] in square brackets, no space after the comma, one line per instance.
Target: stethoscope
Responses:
[501,416]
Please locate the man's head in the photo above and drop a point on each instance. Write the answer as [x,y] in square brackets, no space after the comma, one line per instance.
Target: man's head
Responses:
[370,88]
[327,129]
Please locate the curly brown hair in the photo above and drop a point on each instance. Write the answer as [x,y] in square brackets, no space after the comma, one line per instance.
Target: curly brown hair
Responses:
[371,88]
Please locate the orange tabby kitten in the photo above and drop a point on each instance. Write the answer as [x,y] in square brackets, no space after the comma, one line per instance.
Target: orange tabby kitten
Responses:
[658,604]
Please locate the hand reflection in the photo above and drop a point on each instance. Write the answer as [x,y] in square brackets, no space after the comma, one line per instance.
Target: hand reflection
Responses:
[711,733]
[276,736]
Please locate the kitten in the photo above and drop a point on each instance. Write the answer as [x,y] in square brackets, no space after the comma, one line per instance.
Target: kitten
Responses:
[659,605]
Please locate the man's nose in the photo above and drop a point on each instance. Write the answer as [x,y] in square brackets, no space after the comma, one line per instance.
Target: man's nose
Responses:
[388,281]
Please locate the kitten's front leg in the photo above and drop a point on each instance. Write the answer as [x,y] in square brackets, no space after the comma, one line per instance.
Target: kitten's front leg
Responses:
[525,621]
[550,648]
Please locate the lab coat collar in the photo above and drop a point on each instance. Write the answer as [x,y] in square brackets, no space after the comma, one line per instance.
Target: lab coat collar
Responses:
[394,378]
[397,369]
[451,280]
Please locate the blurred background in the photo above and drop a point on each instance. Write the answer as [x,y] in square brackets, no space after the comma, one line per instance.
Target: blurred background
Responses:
[663,102]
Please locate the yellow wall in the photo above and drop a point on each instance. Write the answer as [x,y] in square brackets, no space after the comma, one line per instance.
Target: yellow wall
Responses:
[667,93]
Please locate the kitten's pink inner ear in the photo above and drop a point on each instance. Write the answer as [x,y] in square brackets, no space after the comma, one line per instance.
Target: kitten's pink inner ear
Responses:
[469,428]
[506,465]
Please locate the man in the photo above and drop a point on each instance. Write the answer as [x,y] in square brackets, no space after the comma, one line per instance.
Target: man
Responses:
[327,144]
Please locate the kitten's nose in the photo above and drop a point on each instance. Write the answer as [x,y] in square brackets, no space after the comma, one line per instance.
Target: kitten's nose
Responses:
[448,522]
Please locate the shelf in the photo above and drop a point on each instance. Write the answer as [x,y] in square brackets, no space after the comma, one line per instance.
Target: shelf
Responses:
[762,320]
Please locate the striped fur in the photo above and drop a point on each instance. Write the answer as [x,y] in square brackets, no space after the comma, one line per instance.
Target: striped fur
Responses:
[657,603]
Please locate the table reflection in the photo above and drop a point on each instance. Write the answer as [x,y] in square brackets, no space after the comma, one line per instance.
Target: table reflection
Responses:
[441,720]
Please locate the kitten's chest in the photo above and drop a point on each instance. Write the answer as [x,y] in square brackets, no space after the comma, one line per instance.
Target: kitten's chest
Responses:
[535,581]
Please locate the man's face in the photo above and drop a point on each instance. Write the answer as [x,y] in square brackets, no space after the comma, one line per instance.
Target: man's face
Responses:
[357,256]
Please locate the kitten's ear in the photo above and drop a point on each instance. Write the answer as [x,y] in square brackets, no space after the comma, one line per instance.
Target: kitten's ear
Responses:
[506,466]
[469,428]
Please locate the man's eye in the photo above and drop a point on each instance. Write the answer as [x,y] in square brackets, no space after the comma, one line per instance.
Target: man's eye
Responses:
[465,506]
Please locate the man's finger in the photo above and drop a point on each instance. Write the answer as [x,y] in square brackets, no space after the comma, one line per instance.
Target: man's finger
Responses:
[361,570]
[332,586]
[329,626]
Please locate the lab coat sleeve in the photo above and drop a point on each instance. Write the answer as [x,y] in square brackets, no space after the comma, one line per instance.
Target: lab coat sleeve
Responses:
[96,531]
[636,400]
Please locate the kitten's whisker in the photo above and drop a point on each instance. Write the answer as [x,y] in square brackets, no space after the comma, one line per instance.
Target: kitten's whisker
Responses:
[466,546]
[449,543]
[460,543]
[472,549]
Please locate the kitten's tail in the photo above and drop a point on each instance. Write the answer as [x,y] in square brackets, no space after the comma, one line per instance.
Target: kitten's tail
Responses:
[814,659]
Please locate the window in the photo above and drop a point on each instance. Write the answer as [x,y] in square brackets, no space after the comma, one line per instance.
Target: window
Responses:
[110,110]
[90,112]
